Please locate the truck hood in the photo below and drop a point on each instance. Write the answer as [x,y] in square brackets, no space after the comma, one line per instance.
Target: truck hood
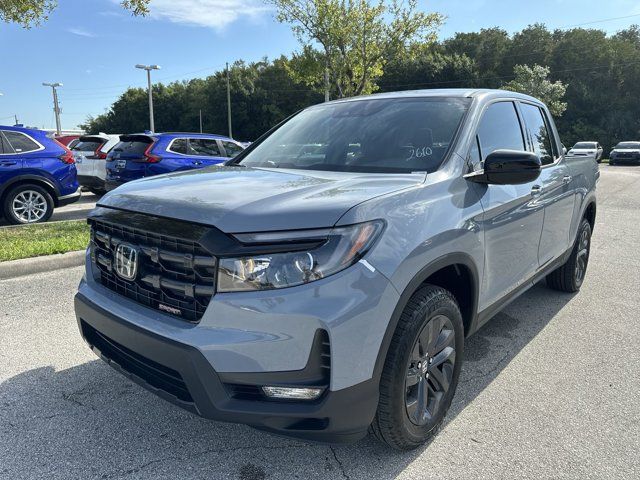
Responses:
[242,199]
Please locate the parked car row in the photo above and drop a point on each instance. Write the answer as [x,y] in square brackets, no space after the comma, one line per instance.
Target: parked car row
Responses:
[39,172]
[623,152]
[144,155]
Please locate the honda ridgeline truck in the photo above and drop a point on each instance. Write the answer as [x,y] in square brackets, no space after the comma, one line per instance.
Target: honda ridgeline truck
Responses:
[321,283]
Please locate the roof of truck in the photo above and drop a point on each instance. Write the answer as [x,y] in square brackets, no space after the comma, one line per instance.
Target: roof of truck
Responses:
[444,92]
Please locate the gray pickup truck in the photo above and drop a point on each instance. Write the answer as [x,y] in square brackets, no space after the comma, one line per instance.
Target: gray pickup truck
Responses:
[321,284]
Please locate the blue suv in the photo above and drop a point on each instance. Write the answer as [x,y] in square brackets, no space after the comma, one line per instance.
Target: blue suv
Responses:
[37,174]
[148,154]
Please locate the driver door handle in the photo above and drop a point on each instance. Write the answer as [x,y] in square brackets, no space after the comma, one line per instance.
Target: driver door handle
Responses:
[566,178]
[536,190]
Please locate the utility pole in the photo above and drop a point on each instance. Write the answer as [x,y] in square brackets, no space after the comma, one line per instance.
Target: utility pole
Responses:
[229,102]
[200,120]
[326,84]
[56,105]
[148,68]
[16,117]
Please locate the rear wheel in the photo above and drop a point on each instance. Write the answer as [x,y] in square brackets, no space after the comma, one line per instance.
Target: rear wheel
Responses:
[421,371]
[569,277]
[27,204]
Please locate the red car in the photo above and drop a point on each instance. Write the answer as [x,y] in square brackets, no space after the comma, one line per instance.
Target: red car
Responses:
[66,139]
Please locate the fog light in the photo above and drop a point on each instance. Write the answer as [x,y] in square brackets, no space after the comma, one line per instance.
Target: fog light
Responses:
[293,393]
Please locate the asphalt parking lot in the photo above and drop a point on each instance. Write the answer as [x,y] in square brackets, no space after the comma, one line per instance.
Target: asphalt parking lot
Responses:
[550,389]
[75,211]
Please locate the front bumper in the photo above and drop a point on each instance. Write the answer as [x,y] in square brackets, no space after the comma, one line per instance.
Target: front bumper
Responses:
[181,374]
[71,198]
[625,161]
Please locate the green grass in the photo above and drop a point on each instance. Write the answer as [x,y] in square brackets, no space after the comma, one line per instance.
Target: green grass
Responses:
[42,239]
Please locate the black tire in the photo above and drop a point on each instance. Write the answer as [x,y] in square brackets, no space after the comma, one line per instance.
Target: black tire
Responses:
[429,307]
[98,191]
[570,276]
[44,204]
[611,163]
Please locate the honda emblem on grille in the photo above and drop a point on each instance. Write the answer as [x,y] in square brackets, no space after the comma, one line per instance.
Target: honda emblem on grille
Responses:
[126,261]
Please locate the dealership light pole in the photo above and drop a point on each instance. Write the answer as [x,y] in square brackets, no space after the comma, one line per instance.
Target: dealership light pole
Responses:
[56,105]
[148,68]
[229,103]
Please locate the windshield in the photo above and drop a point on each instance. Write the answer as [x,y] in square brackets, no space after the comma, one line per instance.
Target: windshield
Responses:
[628,146]
[378,135]
[584,145]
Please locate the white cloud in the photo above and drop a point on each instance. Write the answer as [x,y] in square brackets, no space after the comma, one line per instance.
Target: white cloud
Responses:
[207,13]
[81,32]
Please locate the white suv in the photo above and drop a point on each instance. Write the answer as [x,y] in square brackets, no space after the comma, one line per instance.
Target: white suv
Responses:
[90,153]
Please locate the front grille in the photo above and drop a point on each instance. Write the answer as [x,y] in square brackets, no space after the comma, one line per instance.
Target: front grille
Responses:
[152,373]
[174,275]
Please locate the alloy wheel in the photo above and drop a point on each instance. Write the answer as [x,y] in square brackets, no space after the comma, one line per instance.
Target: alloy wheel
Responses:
[583,256]
[430,370]
[29,206]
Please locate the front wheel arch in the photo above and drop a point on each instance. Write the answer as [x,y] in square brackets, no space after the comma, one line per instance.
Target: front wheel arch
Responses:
[457,261]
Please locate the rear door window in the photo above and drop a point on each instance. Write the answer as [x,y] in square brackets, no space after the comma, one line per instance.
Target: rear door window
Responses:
[179,145]
[204,147]
[20,142]
[540,133]
[231,148]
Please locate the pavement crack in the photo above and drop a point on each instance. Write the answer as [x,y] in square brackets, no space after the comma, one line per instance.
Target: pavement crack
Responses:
[345,475]
[71,397]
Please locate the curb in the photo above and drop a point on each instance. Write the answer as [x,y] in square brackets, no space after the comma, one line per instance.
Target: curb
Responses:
[28,266]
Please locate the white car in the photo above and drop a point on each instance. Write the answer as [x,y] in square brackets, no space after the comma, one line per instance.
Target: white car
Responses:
[587,148]
[90,154]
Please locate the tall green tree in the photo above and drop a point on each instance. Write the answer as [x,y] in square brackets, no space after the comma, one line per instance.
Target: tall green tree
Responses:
[29,13]
[352,40]
[535,81]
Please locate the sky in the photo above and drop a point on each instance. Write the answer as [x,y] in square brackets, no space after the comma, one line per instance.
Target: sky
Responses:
[91,46]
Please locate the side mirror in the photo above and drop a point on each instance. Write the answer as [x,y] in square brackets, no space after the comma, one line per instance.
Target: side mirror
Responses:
[564,149]
[508,167]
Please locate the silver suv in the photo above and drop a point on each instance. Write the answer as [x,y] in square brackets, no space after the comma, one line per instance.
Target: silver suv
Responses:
[323,281]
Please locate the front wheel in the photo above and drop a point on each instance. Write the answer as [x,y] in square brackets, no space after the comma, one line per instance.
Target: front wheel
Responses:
[569,276]
[27,204]
[421,370]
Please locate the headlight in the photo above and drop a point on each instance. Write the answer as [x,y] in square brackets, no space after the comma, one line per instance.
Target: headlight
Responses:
[333,250]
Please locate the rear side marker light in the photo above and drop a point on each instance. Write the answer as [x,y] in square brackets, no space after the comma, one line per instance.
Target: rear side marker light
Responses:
[293,393]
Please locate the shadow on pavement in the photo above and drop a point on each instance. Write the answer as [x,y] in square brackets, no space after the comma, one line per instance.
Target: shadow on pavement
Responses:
[88,421]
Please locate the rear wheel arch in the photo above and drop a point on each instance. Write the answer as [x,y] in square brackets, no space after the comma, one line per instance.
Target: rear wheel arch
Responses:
[29,180]
[455,272]
[590,214]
